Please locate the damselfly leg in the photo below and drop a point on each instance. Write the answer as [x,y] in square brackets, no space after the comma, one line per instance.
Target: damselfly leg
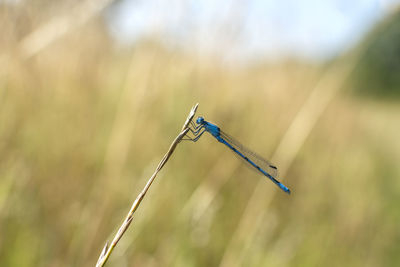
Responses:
[197,132]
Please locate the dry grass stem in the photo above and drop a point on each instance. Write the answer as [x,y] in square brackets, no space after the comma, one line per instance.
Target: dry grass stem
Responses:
[132,99]
[106,252]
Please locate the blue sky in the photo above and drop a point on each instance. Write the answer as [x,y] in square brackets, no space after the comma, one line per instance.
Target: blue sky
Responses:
[249,29]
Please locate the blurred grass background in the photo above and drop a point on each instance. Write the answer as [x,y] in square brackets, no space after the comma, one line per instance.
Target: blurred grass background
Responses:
[84,121]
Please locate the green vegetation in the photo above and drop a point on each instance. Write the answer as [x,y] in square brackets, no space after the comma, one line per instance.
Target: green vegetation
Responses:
[378,72]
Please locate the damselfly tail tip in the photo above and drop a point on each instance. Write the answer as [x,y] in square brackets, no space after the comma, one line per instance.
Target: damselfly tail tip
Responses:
[284,188]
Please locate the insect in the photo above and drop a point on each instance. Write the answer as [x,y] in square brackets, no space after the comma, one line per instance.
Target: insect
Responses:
[262,165]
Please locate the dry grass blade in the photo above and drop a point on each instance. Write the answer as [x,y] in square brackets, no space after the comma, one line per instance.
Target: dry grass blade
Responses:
[46,34]
[190,117]
[294,138]
[106,252]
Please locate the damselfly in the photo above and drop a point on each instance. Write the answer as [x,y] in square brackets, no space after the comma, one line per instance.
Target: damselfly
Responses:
[262,165]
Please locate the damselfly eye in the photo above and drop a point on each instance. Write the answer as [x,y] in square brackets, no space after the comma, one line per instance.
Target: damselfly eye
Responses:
[200,120]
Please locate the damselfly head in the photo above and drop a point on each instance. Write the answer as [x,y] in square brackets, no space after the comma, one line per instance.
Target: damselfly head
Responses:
[200,120]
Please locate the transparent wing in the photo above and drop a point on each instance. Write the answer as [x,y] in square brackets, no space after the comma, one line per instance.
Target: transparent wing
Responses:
[254,157]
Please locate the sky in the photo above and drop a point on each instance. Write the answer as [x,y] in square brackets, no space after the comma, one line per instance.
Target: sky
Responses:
[312,29]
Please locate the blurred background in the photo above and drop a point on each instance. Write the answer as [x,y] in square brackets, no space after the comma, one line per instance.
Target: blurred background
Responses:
[93,92]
